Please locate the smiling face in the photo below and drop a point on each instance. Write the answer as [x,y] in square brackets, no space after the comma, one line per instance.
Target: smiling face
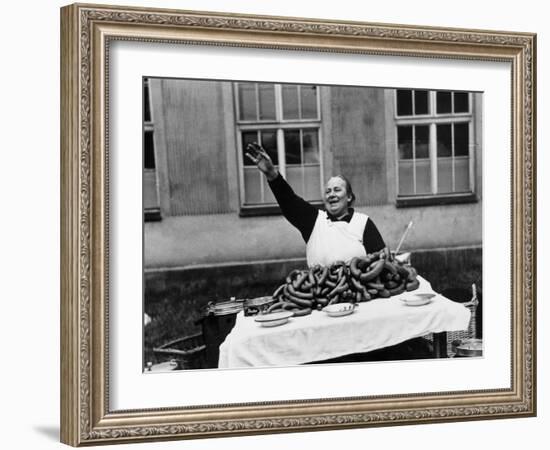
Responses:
[336,197]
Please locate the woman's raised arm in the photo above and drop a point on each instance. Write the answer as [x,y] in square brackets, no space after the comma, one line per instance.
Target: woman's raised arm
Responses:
[263,161]
[296,210]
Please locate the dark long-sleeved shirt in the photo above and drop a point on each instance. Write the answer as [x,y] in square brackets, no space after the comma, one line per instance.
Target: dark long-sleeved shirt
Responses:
[303,215]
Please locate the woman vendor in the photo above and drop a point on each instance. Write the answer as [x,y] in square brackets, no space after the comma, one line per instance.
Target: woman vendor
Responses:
[337,234]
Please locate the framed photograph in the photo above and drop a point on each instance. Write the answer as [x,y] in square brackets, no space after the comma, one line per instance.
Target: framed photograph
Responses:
[268,221]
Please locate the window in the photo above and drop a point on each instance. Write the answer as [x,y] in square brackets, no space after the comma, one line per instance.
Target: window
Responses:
[434,135]
[285,120]
[148,129]
[150,193]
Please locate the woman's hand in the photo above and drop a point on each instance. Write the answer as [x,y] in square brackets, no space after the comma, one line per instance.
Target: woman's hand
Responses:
[259,156]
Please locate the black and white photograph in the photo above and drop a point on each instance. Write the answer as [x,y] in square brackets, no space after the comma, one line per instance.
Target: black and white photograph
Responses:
[295,224]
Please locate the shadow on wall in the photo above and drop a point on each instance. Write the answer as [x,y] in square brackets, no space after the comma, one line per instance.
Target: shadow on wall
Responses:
[175,299]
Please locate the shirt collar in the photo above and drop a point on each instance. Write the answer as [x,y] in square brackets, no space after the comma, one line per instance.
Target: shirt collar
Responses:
[346,218]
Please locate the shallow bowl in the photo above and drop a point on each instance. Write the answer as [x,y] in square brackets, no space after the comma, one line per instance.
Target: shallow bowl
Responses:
[274,319]
[417,299]
[339,309]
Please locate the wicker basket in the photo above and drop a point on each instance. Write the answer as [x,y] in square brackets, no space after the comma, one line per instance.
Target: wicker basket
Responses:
[455,337]
[187,351]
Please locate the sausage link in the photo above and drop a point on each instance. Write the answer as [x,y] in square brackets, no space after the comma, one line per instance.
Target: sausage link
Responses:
[295,293]
[297,283]
[278,290]
[323,277]
[292,275]
[374,271]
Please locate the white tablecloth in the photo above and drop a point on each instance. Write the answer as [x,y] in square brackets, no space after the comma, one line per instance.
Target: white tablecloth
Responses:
[375,324]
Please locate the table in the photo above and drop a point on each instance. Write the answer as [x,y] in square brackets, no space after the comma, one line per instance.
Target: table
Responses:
[375,324]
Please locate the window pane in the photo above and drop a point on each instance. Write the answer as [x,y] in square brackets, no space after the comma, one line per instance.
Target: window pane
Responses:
[267,101]
[247,101]
[268,194]
[247,138]
[422,141]
[421,102]
[444,146]
[252,185]
[406,182]
[269,143]
[312,182]
[443,102]
[423,177]
[404,102]
[290,101]
[310,146]
[146,104]
[462,174]
[148,151]
[461,139]
[404,142]
[309,102]
[461,102]
[295,177]
[150,197]
[292,147]
[444,175]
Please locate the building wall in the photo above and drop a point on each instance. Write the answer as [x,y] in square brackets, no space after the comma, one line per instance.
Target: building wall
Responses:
[194,144]
[198,179]
[226,238]
[358,137]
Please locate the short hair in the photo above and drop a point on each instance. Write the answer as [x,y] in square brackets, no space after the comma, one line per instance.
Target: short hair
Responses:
[349,190]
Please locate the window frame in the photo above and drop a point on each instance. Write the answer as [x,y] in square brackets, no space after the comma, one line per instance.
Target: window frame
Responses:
[150,214]
[432,120]
[279,125]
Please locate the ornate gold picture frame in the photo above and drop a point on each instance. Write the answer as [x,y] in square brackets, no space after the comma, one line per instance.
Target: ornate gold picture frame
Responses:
[87,32]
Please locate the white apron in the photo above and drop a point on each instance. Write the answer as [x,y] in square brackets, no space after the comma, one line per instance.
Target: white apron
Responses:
[336,241]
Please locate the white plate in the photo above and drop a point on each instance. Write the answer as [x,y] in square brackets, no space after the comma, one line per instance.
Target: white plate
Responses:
[339,309]
[274,319]
[417,299]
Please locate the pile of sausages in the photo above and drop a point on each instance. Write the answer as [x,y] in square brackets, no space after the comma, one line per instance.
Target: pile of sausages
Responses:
[363,279]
